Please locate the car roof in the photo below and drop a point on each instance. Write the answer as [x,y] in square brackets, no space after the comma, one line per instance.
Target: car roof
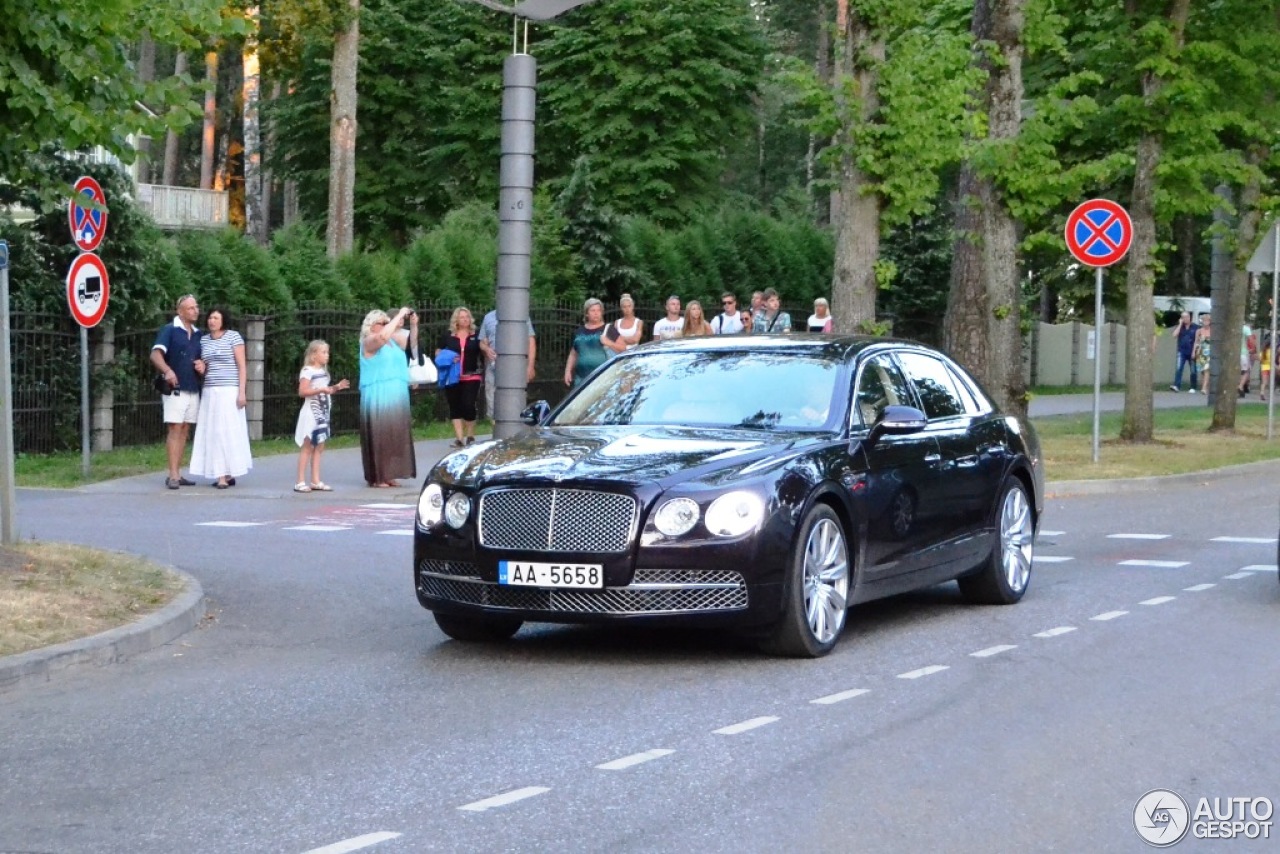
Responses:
[819,344]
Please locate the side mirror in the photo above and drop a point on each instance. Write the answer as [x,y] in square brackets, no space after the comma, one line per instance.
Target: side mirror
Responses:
[535,413]
[898,421]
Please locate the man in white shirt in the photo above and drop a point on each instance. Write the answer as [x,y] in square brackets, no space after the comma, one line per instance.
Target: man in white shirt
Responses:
[669,326]
[488,339]
[730,321]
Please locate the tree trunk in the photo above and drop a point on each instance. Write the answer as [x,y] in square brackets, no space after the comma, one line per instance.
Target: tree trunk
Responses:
[171,138]
[290,214]
[268,181]
[857,222]
[254,227]
[342,138]
[1137,423]
[964,327]
[1228,320]
[210,120]
[143,166]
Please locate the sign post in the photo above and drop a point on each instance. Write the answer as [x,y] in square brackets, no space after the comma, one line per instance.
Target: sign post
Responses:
[1098,234]
[8,497]
[88,287]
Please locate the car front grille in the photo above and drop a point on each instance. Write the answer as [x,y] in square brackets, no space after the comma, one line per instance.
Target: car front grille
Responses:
[558,520]
[653,591]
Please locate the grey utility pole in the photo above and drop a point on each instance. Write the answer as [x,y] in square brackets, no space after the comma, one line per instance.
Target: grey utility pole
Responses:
[515,210]
[8,497]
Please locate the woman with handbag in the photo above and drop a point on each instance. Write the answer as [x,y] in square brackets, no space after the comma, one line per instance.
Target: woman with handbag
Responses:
[462,341]
[386,423]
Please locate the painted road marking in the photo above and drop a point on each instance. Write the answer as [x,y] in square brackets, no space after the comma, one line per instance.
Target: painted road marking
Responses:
[1109,615]
[319,528]
[1196,588]
[355,843]
[388,506]
[1259,567]
[399,532]
[923,671]
[735,729]
[634,759]
[1138,536]
[1161,564]
[1159,600]
[505,799]
[230,524]
[1052,533]
[1237,575]
[841,697]
[1050,559]
[993,650]
[1053,633]
[1259,540]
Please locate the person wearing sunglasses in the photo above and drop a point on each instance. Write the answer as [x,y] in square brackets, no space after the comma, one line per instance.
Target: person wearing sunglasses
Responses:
[731,321]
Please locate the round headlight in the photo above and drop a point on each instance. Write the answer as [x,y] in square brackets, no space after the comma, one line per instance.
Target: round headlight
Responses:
[430,505]
[676,517]
[734,514]
[457,509]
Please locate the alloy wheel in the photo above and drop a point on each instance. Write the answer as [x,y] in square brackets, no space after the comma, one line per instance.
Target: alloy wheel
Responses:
[826,580]
[1016,539]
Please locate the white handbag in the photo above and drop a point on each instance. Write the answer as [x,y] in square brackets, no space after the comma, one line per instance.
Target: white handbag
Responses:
[422,371]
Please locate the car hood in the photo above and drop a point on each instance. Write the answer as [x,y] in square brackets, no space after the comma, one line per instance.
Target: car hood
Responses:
[628,454]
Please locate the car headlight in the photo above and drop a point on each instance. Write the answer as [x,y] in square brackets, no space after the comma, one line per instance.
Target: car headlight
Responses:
[734,514]
[457,509]
[676,517]
[431,505]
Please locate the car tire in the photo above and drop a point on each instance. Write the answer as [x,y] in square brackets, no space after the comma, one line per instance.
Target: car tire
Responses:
[1003,577]
[481,629]
[816,589]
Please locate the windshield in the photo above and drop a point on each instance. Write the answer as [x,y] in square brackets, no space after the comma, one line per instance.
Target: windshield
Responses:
[764,390]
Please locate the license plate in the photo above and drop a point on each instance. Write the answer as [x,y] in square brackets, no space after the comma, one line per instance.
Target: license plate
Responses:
[578,575]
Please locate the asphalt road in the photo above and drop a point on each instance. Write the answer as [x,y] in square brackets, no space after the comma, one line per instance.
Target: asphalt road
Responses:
[319,705]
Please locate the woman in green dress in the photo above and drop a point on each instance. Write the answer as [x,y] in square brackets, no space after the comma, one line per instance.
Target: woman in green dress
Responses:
[587,352]
[386,424]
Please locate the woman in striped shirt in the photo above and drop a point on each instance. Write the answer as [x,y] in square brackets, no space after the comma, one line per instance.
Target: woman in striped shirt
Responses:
[221,447]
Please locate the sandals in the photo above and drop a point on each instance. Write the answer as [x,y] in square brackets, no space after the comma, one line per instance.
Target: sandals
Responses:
[301,487]
[321,486]
[457,443]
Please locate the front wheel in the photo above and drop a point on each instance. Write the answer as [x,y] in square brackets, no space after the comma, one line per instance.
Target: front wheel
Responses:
[483,629]
[1004,575]
[816,590]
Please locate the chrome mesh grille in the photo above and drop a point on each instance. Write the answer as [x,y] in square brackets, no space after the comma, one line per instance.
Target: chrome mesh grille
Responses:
[558,520]
[694,590]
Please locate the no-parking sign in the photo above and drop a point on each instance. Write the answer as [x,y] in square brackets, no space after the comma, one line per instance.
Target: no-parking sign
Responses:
[88,289]
[88,226]
[1099,232]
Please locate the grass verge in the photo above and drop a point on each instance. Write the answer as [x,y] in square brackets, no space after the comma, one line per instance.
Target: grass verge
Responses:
[50,593]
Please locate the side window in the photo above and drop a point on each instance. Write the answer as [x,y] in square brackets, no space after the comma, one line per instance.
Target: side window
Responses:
[880,384]
[935,385]
[974,400]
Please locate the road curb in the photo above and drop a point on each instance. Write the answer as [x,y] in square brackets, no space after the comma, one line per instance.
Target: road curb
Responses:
[1067,488]
[156,629]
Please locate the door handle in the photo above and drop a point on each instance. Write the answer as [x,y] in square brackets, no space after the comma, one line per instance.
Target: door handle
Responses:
[933,459]
[967,462]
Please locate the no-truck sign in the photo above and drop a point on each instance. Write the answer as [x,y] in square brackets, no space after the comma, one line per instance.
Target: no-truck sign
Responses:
[88,289]
[1099,232]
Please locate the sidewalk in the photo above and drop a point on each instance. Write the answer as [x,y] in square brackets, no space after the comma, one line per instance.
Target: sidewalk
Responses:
[1046,405]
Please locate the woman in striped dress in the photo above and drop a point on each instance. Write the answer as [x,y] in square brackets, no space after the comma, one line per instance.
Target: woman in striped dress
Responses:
[221,447]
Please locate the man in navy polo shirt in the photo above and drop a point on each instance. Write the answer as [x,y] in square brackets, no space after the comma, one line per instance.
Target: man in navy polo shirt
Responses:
[174,355]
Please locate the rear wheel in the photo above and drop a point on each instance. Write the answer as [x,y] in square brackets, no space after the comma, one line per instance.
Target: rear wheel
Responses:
[817,589]
[473,628]
[1003,577]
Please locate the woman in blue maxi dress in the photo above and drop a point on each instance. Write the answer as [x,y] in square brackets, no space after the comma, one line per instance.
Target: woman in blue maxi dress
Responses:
[386,423]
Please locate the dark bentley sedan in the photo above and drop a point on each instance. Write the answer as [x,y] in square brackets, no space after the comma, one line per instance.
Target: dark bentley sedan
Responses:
[764,483]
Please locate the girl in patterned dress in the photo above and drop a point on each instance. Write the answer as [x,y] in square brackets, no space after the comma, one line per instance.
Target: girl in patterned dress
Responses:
[315,388]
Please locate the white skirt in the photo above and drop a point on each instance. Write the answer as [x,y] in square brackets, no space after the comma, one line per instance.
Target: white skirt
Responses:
[221,446]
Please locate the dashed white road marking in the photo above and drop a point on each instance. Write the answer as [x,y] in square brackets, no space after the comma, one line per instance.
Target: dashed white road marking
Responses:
[1161,564]
[1053,633]
[1052,533]
[399,532]
[735,729]
[1109,615]
[1159,600]
[1138,536]
[634,759]
[321,528]
[1238,575]
[230,524]
[355,843]
[841,696]
[388,506]
[993,650]
[1260,540]
[924,671]
[1196,588]
[1050,559]
[505,799]
[1259,567]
